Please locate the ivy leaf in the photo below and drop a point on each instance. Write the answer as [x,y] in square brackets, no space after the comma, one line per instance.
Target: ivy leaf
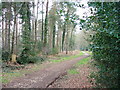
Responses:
[61,11]
[82,21]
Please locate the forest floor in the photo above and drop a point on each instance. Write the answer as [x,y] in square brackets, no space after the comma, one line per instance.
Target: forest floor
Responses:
[53,75]
[76,77]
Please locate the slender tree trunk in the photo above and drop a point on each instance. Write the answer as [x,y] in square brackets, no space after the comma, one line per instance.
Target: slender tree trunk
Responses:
[28,15]
[60,40]
[50,39]
[67,38]
[54,32]
[71,37]
[57,41]
[6,32]
[13,36]
[64,31]
[42,24]
[3,42]
[16,35]
[46,25]
[63,36]
[9,23]
[8,36]
[36,25]
[33,22]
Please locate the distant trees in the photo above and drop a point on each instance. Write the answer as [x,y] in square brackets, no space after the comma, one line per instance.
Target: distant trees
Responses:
[83,38]
[52,26]
[67,10]
[25,34]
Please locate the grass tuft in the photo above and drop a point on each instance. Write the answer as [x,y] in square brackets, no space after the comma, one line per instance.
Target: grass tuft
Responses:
[72,71]
[83,61]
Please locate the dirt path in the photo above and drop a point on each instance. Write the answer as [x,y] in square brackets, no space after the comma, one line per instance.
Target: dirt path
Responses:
[43,78]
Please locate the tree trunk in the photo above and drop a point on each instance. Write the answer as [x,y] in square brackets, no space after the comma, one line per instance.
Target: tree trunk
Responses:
[3,42]
[6,32]
[63,36]
[67,38]
[46,25]
[42,24]
[33,22]
[16,35]
[54,32]
[13,36]
[58,41]
[9,23]
[64,30]
[36,25]
[71,37]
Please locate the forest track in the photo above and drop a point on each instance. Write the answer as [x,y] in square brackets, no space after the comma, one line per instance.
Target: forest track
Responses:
[44,77]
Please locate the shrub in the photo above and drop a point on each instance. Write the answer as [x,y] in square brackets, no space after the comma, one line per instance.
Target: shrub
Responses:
[106,44]
[39,45]
[28,56]
[54,51]
[30,59]
[35,59]
[5,67]
[5,55]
